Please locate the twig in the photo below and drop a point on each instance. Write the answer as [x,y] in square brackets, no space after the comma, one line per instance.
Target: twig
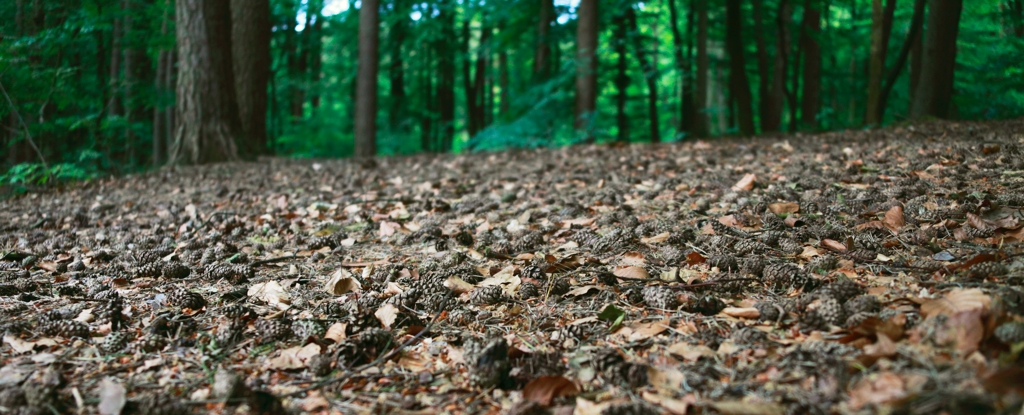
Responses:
[28,135]
[272,260]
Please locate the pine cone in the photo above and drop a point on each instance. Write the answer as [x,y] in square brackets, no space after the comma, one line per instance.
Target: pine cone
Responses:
[748,335]
[1011,332]
[487,295]
[64,328]
[842,290]
[146,270]
[149,343]
[528,290]
[790,246]
[753,266]
[770,221]
[769,310]
[272,330]
[159,404]
[375,341]
[986,270]
[558,287]
[305,329]
[631,408]
[660,297]
[724,263]
[320,365]
[116,342]
[488,364]
[831,311]
[750,246]
[238,312]
[182,298]
[175,270]
[780,277]
[862,304]
[8,290]
[823,264]
[706,305]
[812,320]
[534,272]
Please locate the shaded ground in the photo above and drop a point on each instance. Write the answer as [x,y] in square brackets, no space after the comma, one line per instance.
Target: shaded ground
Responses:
[848,272]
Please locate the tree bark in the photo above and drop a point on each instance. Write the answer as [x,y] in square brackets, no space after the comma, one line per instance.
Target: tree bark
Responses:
[935,88]
[541,64]
[160,133]
[739,86]
[396,71]
[114,76]
[586,67]
[250,32]
[764,108]
[913,36]
[446,89]
[468,84]
[811,103]
[700,90]
[366,83]
[650,69]
[881,27]
[503,97]
[205,89]
[683,66]
[619,33]
[316,44]
[772,120]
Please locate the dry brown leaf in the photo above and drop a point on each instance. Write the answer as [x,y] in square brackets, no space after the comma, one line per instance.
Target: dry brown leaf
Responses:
[748,408]
[588,407]
[976,221]
[633,259]
[336,332]
[783,208]
[342,282]
[877,389]
[809,252]
[112,397]
[674,406]
[636,273]
[967,329]
[457,285]
[293,358]
[746,312]
[656,239]
[545,389]
[956,301]
[272,293]
[746,183]
[694,258]
[388,228]
[578,291]
[387,314]
[833,244]
[643,331]
[690,352]
[883,347]
[729,220]
[875,224]
[665,379]
[894,218]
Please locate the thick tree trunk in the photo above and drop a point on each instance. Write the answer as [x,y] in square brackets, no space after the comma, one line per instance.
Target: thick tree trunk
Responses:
[916,55]
[683,66]
[619,33]
[650,68]
[205,92]
[772,120]
[586,67]
[764,77]
[811,101]
[935,88]
[541,64]
[739,86]
[366,83]
[700,90]
[468,85]
[913,36]
[881,27]
[396,71]
[251,64]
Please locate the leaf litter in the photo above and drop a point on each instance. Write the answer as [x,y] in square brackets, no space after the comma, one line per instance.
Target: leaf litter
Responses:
[853,272]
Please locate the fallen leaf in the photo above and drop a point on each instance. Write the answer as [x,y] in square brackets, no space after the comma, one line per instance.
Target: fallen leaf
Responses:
[876,389]
[729,220]
[294,357]
[19,345]
[956,301]
[748,408]
[809,252]
[746,183]
[833,244]
[336,332]
[976,221]
[643,331]
[875,224]
[457,285]
[674,406]
[272,293]
[388,228]
[694,258]
[578,291]
[613,314]
[342,282]
[387,314]
[783,208]
[656,239]
[314,402]
[894,218]
[634,259]
[636,273]
[588,407]
[691,352]
[746,312]
[112,397]
[883,347]
[665,379]
[545,389]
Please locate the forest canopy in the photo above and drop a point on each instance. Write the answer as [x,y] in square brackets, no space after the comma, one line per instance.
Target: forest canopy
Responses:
[118,86]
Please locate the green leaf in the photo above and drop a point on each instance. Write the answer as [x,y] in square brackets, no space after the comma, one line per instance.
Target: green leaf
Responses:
[613,314]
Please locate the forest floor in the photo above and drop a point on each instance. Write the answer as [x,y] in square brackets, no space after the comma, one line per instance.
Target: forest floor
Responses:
[849,272]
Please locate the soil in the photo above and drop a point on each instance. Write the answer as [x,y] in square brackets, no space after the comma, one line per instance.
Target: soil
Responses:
[849,272]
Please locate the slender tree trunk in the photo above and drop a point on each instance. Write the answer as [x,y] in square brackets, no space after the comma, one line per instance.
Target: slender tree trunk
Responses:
[809,40]
[934,92]
[503,97]
[541,66]
[113,106]
[366,84]
[251,65]
[683,68]
[700,90]
[480,78]
[586,67]
[131,61]
[396,71]
[739,86]
[916,56]
[170,114]
[913,36]
[772,120]
[1017,14]
[300,81]
[468,86]
[881,27]
[316,54]
[160,133]
[427,116]
[650,70]
[205,92]
[619,33]
[764,101]
[446,91]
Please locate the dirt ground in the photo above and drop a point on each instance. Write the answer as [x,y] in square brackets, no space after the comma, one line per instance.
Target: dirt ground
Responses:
[852,272]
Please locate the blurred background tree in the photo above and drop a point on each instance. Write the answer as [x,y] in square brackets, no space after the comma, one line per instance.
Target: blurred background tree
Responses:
[122,85]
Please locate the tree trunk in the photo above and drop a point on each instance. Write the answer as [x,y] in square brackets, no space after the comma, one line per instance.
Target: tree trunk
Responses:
[935,88]
[446,90]
[468,86]
[396,71]
[772,120]
[251,55]
[764,103]
[427,114]
[503,97]
[881,27]
[683,66]
[366,80]
[916,55]
[1017,15]
[132,59]
[650,69]
[700,90]
[913,36]
[586,67]
[316,46]
[619,33]
[541,69]
[160,136]
[739,86]
[114,76]
[205,92]
[811,103]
